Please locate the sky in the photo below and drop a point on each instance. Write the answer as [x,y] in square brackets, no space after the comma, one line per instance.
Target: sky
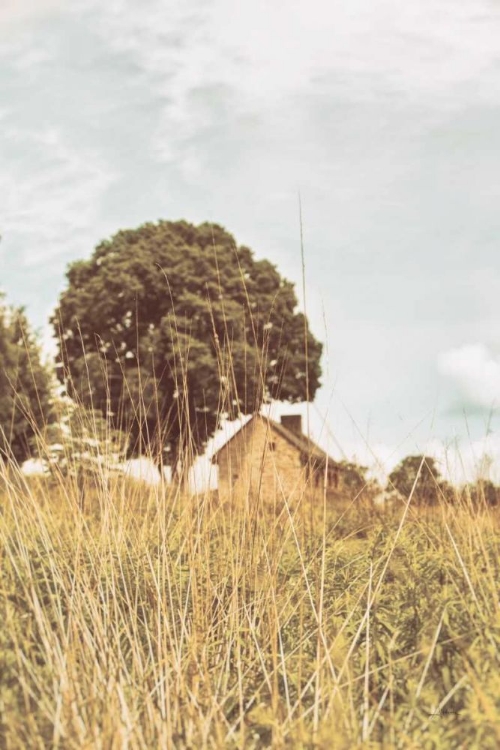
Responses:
[382,116]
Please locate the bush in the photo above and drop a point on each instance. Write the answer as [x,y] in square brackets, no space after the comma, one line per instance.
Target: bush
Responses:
[25,386]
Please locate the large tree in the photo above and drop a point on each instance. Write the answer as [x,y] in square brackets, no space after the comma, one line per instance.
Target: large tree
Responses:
[25,386]
[170,326]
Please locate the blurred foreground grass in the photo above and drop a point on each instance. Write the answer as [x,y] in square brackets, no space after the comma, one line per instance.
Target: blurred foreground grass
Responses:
[150,619]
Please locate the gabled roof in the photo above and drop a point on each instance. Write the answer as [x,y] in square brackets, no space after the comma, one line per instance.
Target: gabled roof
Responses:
[308,449]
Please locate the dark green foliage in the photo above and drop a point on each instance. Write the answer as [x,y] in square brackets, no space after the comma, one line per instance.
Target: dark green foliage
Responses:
[170,325]
[484,492]
[353,478]
[25,393]
[423,471]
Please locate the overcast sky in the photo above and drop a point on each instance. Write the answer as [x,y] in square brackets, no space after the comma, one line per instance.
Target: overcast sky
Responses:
[384,115]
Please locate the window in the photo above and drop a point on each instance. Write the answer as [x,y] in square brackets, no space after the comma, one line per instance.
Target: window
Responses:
[272,445]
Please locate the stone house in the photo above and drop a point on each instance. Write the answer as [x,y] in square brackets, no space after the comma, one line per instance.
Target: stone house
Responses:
[273,460]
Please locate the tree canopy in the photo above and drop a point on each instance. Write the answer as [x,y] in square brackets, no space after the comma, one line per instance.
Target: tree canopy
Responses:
[25,385]
[422,472]
[170,326]
[354,479]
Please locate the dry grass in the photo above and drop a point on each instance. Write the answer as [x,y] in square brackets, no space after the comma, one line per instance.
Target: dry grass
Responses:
[149,618]
[156,620]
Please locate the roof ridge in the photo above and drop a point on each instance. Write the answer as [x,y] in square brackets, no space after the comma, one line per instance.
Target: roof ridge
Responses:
[302,442]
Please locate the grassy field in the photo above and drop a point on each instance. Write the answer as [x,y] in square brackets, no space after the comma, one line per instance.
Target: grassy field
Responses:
[150,619]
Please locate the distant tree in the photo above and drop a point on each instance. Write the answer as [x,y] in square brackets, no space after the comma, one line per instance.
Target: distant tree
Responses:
[428,485]
[170,326]
[484,491]
[353,478]
[25,385]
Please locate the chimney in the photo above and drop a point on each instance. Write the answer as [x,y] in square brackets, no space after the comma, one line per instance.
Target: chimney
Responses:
[292,422]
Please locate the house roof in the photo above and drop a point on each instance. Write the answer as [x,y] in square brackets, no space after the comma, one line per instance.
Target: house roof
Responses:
[308,449]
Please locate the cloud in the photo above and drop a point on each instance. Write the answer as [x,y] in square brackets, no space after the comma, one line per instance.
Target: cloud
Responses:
[50,196]
[475,371]
[219,64]
[260,49]
[467,460]
[21,11]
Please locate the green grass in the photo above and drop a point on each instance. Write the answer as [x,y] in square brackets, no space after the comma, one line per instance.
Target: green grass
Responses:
[155,620]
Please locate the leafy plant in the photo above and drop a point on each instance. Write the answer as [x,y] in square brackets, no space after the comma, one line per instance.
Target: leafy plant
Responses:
[80,441]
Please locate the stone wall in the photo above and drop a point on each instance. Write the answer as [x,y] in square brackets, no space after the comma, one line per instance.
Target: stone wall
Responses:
[260,463]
